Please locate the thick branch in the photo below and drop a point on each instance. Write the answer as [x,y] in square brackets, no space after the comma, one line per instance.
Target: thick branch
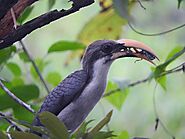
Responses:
[5,6]
[39,22]
[6,90]
[6,24]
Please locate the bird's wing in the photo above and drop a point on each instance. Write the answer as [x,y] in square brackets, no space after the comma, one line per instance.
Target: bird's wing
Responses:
[65,92]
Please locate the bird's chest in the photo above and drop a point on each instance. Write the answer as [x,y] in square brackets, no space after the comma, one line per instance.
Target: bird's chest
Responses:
[93,91]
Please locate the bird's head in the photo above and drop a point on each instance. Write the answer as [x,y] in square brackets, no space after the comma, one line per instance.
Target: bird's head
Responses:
[107,51]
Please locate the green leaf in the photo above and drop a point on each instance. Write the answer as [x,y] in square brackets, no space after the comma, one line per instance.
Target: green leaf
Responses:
[17,81]
[118,98]
[24,92]
[24,57]
[162,82]
[82,130]
[51,3]
[53,78]
[161,68]
[6,53]
[179,3]
[25,14]
[14,68]
[20,112]
[103,135]
[54,125]
[173,52]
[3,135]
[65,45]
[3,125]
[100,125]
[105,25]
[123,135]
[23,135]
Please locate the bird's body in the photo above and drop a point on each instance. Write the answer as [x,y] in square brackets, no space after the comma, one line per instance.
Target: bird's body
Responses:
[74,98]
[77,111]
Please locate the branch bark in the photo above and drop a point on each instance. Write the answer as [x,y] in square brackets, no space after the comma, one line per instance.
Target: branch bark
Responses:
[5,6]
[41,21]
[6,90]
[6,23]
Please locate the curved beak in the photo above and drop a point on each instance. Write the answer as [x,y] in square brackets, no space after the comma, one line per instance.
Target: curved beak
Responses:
[133,48]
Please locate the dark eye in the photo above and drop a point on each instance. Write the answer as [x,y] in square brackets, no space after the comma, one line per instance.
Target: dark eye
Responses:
[107,48]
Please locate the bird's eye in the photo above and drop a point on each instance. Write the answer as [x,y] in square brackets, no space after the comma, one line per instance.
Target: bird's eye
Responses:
[107,48]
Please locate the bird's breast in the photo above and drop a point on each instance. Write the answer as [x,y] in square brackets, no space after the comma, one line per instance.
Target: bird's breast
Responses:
[76,112]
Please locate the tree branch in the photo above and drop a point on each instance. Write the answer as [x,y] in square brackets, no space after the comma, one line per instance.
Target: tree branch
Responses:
[179,68]
[2,115]
[35,67]
[41,21]
[5,6]
[19,101]
[28,55]
[6,24]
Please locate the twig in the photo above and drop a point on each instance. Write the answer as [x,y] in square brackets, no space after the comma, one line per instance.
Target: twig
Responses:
[129,85]
[19,101]
[158,120]
[8,130]
[155,34]
[14,18]
[35,67]
[28,55]
[174,70]
[142,6]
[9,121]
[41,21]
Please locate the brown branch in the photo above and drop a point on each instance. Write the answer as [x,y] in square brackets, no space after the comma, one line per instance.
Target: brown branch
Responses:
[6,24]
[5,6]
[41,21]
[179,68]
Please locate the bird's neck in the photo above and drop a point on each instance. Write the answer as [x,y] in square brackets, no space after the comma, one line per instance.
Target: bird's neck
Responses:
[100,70]
[98,78]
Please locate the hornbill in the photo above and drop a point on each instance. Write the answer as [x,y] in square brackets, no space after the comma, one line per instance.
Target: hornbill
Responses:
[73,99]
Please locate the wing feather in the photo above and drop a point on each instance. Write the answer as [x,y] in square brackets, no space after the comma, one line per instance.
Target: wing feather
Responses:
[70,88]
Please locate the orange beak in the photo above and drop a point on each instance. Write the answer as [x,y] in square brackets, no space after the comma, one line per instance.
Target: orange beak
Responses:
[133,48]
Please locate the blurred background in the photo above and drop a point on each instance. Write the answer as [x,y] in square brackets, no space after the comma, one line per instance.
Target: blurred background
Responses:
[133,108]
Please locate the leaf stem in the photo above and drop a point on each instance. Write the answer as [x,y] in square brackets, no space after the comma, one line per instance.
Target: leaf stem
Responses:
[155,34]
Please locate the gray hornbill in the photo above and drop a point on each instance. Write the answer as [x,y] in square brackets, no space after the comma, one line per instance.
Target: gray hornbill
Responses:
[74,98]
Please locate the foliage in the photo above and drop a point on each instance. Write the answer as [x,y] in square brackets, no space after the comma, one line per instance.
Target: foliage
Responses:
[22,79]
[119,97]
